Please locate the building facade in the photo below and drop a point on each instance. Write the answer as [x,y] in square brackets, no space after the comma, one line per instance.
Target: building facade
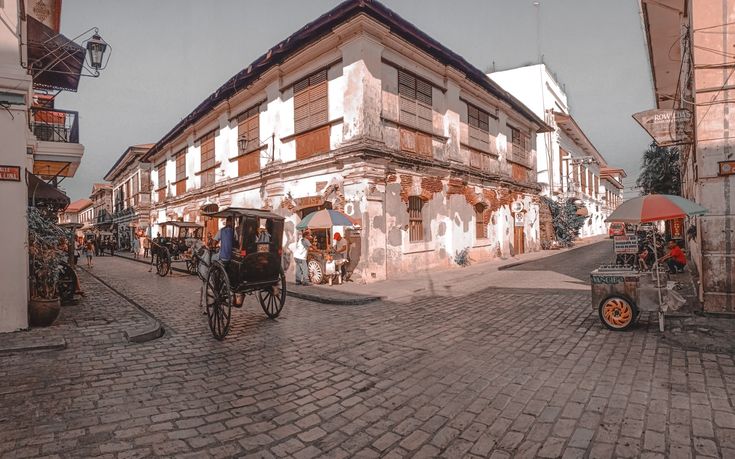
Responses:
[102,200]
[360,111]
[568,165]
[40,142]
[73,213]
[689,47]
[131,194]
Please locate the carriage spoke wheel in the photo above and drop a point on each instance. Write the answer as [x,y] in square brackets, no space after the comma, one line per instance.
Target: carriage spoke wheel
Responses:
[617,313]
[219,301]
[191,266]
[163,263]
[273,298]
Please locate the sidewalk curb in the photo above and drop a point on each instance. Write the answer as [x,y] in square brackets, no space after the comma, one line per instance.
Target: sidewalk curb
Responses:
[55,344]
[568,249]
[155,328]
[336,301]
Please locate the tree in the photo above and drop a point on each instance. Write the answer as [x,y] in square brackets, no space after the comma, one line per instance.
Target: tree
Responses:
[565,220]
[660,171]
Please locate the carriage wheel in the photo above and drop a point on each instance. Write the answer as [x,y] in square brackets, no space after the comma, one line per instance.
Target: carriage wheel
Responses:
[67,284]
[273,298]
[316,275]
[163,263]
[618,313]
[219,301]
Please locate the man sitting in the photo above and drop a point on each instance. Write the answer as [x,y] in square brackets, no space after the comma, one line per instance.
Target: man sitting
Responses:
[675,259]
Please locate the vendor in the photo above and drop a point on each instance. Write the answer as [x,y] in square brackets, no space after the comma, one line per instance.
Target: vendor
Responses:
[675,259]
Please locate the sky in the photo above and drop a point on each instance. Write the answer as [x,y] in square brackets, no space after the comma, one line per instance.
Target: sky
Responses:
[169,55]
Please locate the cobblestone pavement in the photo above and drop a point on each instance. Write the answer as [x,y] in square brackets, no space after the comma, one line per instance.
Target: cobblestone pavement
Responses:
[500,373]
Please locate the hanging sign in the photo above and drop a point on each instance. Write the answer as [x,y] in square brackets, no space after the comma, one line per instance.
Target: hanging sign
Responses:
[520,219]
[10,173]
[626,244]
[667,126]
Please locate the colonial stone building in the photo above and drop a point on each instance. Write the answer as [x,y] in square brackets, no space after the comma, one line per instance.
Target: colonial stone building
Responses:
[360,111]
[131,193]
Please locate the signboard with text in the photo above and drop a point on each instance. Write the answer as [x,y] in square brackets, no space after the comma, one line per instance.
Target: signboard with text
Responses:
[520,219]
[626,244]
[667,126]
[10,173]
[726,168]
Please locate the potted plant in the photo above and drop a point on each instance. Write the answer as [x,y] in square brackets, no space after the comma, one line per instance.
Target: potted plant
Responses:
[45,267]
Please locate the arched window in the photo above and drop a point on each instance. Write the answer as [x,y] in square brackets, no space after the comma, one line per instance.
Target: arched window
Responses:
[415,219]
[480,226]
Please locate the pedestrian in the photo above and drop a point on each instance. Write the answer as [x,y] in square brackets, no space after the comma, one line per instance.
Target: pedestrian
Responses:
[89,253]
[136,248]
[77,250]
[340,254]
[146,246]
[300,254]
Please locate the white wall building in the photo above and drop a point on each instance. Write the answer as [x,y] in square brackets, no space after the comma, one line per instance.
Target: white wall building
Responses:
[568,164]
[361,112]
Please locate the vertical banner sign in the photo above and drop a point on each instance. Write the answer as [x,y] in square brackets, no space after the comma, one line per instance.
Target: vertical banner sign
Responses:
[667,126]
[677,229]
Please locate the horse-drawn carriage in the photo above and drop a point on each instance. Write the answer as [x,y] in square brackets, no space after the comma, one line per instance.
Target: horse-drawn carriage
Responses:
[174,245]
[254,267]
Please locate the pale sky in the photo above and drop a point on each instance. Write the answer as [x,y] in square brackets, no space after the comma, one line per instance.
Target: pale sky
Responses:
[169,55]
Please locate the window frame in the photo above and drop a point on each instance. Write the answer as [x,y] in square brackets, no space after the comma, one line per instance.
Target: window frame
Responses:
[480,226]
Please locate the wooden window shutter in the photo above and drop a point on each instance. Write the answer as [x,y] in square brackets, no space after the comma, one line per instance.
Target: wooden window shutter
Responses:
[248,128]
[478,122]
[249,163]
[311,115]
[415,219]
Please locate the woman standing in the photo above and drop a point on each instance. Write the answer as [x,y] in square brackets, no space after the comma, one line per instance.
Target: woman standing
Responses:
[135,247]
[89,253]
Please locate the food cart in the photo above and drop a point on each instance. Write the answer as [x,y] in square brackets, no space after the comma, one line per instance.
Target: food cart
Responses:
[619,292]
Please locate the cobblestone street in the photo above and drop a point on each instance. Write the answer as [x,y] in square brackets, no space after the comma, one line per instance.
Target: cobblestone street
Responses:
[500,373]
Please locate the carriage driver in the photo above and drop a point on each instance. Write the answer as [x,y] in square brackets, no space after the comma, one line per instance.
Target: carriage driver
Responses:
[226,238]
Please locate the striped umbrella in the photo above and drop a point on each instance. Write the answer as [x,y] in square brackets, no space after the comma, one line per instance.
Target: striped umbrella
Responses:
[324,219]
[655,207]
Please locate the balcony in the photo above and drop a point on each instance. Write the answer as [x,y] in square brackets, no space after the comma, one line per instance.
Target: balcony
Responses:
[57,151]
[51,125]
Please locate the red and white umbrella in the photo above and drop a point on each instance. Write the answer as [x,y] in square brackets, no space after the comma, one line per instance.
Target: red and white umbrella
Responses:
[655,207]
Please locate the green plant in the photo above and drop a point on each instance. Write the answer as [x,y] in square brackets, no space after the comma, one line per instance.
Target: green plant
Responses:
[565,220]
[660,171]
[44,254]
[462,257]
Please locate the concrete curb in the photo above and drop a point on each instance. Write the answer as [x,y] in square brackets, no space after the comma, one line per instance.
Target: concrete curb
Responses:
[357,301]
[54,344]
[153,330]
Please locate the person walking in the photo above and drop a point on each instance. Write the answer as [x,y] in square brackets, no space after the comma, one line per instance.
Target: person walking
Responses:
[300,254]
[146,246]
[89,253]
[136,248]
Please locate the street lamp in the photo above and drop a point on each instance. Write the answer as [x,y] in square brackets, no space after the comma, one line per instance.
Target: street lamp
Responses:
[96,47]
[242,142]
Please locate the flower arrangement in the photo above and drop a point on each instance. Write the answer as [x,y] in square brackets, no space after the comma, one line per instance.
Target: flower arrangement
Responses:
[45,255]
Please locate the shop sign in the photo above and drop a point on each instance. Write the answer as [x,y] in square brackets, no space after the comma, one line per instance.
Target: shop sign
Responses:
[677,229]
[520,219]
[309,201]
[667,126]
[10,173]
[626,244]
[726,168]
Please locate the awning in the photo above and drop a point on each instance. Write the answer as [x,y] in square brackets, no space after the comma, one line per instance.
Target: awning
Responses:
[41,194]
[55,61]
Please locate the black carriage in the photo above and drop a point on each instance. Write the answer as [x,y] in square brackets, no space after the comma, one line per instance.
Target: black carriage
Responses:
[254,268]
[174,245]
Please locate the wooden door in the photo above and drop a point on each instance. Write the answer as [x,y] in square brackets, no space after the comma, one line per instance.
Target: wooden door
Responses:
[519,240]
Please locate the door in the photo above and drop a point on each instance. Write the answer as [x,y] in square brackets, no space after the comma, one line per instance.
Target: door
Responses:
[519,240]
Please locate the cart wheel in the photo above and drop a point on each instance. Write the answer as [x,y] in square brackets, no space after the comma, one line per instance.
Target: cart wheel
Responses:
[67,284]
[316,275]
[163,263]
[618,312]
[219,301]
[273,298]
